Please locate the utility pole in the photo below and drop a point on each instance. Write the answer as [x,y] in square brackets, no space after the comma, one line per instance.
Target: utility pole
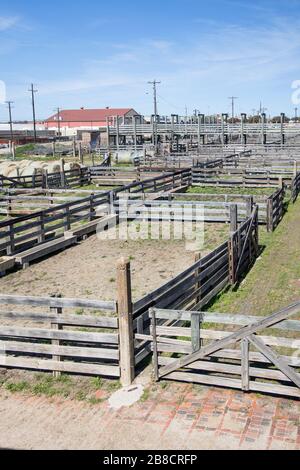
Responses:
[9,104]
[33,91]
[154,84]
[296,114]
[232,99]
[58,120]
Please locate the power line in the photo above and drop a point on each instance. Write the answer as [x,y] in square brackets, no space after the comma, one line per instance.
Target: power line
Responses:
[33,91]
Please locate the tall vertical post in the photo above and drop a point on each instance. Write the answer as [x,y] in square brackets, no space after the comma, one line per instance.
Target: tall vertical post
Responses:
[74,147]
[249,206]
[295,168]
[154,340]
[233,218]
[108,133]
[118,132]
[195,331]
[9,105]
[33,91]
[263,136]
[199,133]
[62,174]
[282,121]
[245,364]
[56,342]
[134,133]
[243,121]
[155,140]
[80,154]
[126,338]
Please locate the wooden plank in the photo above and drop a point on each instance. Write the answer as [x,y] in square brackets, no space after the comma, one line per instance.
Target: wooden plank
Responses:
[57,302]
[275,359]
[224,318]
[44,249]
[195,331]
[234,337]
[71,320]
[231,369]
[245,364]
[50,349]
[39,333]
[65,366]
[218,335]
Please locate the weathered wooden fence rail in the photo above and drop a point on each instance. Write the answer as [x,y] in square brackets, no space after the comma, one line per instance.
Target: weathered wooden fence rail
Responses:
[32,236]
[199,284]
[228,350]
[63,179]
[247,181]
[275,209]
[59,343]
[27,231]
[295,187]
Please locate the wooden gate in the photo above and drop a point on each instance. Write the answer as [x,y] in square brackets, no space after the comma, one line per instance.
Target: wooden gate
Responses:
[229,350]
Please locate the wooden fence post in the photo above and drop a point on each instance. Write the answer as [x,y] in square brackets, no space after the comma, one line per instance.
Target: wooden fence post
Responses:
[126,338]
[62,174]
[56,342]
[270,224]
[233,218]
[195,335]
[295,168]
[80,154]
[245,365]
[198,282]
[154,342]
[249,205]
[41,237]
[232,260]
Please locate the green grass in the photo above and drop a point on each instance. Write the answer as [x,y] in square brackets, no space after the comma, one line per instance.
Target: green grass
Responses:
[274,281]
[65,386]
[235,190]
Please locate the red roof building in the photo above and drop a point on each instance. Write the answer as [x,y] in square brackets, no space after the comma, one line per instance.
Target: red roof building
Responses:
[89,118]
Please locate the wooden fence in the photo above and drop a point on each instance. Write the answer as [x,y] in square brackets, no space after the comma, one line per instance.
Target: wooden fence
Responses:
[63,179]
[32,236]
[63,341]
[275,209]
[295,187]
[228,350]
[31,230]
[198,285]
[247,181]
[78,336]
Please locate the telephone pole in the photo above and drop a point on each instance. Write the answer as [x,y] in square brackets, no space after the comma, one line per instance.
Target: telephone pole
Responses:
[33,91]
[232,99]
[154,84]
[58,120]
[10,122]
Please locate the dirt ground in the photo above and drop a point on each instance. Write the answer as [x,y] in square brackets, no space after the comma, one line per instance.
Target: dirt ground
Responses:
[88,270]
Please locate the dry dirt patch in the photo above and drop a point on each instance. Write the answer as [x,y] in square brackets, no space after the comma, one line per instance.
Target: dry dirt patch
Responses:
[88,270]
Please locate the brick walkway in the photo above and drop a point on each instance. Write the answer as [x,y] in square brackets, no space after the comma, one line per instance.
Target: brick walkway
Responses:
[176,417]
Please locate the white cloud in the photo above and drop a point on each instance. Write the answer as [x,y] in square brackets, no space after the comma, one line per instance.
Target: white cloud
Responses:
[8,22]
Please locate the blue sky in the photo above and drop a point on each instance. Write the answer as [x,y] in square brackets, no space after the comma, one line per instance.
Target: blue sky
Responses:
[102,53]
